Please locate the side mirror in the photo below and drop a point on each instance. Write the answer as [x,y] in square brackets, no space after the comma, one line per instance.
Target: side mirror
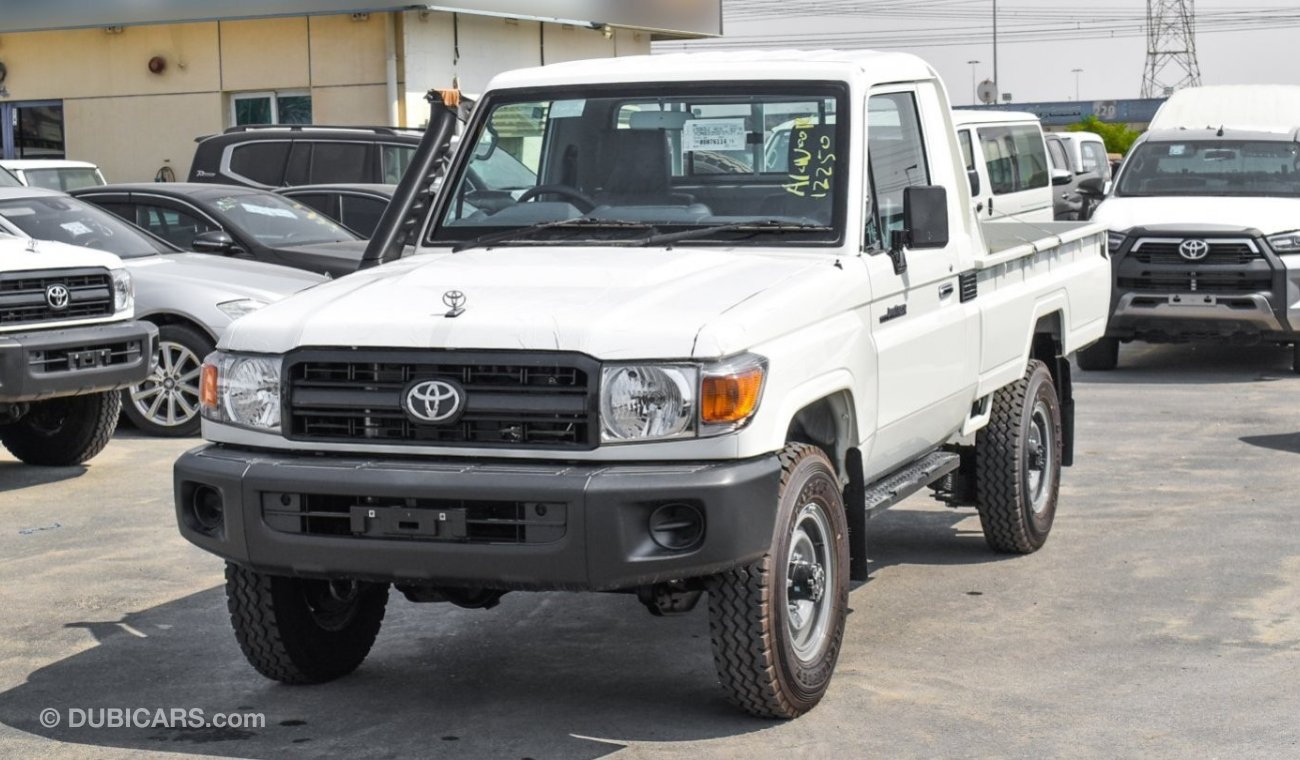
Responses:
[973,177]
[925,223]
[1061,177]
[1094,187]
[213,241]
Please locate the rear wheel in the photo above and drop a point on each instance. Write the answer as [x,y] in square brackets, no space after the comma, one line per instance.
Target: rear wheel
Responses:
[167,402]
[777,623]
[1018,463]
[63,431]
[302,631]
[1100,356]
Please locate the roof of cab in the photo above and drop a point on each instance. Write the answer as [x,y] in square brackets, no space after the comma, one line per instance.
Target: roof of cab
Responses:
[964,117]
[729,65]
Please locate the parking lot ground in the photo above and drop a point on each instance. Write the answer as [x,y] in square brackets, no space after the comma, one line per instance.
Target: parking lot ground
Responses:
[1162,619]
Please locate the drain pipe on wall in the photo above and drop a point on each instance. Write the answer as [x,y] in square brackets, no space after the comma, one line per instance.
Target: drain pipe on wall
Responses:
[390,67]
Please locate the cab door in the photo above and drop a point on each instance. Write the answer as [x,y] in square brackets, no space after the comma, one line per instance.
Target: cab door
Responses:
[926,338]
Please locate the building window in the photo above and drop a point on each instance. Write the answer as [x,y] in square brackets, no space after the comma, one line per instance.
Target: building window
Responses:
[270,108]
[32,129]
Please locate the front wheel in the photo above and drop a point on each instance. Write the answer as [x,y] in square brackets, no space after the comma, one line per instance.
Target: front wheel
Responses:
[167,402]
[302,631]
[777,624]
[1018,463]
[63,431]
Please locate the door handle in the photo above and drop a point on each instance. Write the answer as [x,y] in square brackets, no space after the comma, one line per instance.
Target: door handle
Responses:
[946,291]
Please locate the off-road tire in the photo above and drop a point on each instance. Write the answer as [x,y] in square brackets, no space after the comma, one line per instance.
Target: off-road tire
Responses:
[285,641]
[752,644]
[63,431]
[198,345]
[1004,463]
[1101,356]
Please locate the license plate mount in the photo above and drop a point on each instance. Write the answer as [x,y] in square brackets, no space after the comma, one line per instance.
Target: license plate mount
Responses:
[405,522]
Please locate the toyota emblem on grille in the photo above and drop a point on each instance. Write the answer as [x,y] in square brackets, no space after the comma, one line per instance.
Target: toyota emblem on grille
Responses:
[57,297]
[434,401]
[1194,250]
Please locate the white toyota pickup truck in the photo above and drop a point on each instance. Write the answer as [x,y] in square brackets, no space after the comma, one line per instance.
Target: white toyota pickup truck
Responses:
[67,345]
[668,362]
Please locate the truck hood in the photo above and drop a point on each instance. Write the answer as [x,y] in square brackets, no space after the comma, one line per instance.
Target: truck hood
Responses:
[610,303]
[18,254]
[224,277]
[1268,215]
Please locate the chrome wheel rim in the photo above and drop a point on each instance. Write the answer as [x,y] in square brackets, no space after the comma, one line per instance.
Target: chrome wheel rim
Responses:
[810,583]
[1040,456]
[169,397]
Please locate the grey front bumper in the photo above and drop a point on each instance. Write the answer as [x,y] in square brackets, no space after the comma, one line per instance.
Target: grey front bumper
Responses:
[51,363]
[602,542]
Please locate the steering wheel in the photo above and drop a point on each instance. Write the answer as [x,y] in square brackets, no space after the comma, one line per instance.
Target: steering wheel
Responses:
[572,193]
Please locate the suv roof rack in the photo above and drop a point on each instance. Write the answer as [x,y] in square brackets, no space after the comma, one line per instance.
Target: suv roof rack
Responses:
[337,127]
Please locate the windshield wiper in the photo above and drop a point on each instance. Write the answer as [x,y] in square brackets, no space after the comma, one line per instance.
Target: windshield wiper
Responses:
[753,226]
[522,233]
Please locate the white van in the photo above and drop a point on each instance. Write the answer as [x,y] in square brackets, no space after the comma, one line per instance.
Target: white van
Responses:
[1006,160]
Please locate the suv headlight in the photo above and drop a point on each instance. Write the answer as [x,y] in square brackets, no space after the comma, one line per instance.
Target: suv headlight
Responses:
[238,308]
[242,390]
[1287,242]
[123,290]
[1114,241]
[656,402]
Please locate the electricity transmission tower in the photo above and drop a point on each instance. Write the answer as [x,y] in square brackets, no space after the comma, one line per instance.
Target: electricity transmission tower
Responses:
[1171,48]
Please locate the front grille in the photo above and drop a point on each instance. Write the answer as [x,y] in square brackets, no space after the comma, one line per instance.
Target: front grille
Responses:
[1227,283]
[23,301]
[538,400]
[476,522]
[1221,252]
[84,357]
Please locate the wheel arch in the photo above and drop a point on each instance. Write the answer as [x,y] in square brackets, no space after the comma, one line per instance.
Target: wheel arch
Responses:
[162,318]
[1047,345]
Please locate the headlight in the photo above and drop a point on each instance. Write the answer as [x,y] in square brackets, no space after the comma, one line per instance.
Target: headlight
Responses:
[1114,241]
[123,292]
[242,390]
[641,402]
[655,402]
[237,309]
[1287,242]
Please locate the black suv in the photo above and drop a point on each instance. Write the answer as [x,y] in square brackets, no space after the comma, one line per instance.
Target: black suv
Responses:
[282,156]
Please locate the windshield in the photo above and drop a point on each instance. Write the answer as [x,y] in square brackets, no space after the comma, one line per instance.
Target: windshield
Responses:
[66,179]
[7,179]
[274,220]
[1213,167]
[68,220]
[749,160]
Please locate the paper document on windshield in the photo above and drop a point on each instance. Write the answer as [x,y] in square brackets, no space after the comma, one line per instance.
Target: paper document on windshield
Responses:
[253,208]
[714,134]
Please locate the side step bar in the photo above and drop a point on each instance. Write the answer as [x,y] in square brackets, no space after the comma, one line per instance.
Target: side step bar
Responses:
[885,493]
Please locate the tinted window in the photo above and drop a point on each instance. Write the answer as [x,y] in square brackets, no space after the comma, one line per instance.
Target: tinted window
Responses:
[273,220]
[396,158]
[298,171]
[896,159]
[361,215]
[322,202]
[340,162]
[1213,168]
[176,227]
[260,161]
[72,221]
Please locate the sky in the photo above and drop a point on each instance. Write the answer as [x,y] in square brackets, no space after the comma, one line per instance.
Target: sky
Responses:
[1041,41]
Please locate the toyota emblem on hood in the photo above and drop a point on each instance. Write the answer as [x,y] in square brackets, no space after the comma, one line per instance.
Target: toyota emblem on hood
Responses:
[434,402]
[455,300]
[1194,250]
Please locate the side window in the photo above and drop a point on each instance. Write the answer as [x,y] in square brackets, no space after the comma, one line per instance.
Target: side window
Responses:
[340,162]
[1094,157]
[118,208]
[298,171]
[176,227]
[260,161]
[1057,152]
[322,202]
[395,160]
[998,148]
[895,159]
[967,150]
[1030,157]
[361,215]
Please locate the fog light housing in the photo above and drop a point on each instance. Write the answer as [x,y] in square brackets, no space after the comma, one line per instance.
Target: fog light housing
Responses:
[677,527]
[207,510]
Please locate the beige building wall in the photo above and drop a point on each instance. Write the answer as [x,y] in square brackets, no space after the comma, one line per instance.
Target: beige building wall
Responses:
[131,121]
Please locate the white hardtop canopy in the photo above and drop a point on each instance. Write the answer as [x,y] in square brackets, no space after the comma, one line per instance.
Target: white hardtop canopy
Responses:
[1258,107]
[756,65]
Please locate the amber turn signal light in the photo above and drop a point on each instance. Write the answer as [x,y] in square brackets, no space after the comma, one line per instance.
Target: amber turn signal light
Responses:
[730,398]
[208,387]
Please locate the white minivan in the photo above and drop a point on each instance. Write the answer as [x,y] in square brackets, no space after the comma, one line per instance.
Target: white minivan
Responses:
[1006,160]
